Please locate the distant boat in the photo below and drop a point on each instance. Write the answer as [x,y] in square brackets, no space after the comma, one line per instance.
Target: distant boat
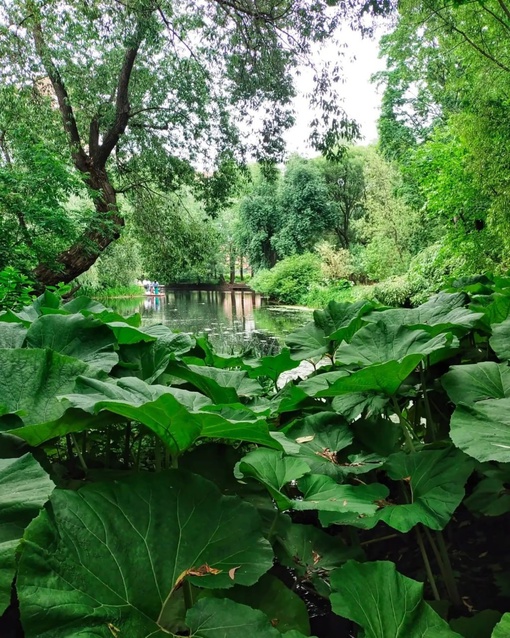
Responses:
[153,294]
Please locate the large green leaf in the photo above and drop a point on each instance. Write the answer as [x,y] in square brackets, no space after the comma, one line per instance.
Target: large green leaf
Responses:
[436,481]
[24,488]
[113,553]
[32,379]
[177,416]
[274,470]
[477,382]
[84,304]
[323,494]
[502,629]
[76,336]
[478,626]
[353,404]
[320,436]
[12,335]
[309,342]
[382,342]
[385,378]
[222,386]
[341,320]
[214,618]
[385,603]
[149,360]
[482,430]
[491,496]
[442,312]
[271,366]
[500,340]
[495,307]
[279,603]
[309,551]
[318,492]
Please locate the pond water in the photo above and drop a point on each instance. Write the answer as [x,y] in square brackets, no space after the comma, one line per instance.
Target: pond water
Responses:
[233,320]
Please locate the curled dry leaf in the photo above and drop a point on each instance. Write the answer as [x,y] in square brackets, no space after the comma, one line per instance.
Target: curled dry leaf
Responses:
[231,572]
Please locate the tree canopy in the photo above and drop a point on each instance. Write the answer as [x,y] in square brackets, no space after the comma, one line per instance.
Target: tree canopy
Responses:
[141,92]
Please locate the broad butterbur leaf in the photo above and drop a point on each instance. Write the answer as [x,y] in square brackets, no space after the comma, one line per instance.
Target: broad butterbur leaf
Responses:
[385,378]
[76,336]
[477,382]
[500,340]
[482,430]
[320,436]
[436,481]
[283,606]
[12,335]
[309,342]
[32,379]
[112,553]
[382,342]
[216,618]
[442,312]
[272,366]
[502,629]
[340,321]
[24,488]
[319,492]
[385,603]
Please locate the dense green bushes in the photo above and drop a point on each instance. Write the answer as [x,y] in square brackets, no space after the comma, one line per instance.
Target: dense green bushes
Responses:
[290,280]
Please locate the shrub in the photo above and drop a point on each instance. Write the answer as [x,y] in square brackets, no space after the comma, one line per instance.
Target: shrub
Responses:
[320,296]
[15,288]
[336,264]
[290,280]
[395,291]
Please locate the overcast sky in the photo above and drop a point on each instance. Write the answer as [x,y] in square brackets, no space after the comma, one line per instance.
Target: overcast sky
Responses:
[362,99]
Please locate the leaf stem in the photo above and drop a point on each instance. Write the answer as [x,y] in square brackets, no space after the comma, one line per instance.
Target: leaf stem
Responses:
[407,436]
[426,562]
[78,451]
[431,426]
[445,566]
[188,595]
[157,454]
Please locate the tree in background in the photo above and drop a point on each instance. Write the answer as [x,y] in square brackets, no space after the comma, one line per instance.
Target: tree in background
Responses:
[259,220]
[391,231]
[138,84]
[304,208]
[456,166]
[345,180]
[177,240]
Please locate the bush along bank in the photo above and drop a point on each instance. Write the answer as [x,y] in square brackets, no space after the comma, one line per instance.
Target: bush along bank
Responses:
[156,488]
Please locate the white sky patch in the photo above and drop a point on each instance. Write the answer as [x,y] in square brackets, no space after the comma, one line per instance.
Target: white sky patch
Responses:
[361,99]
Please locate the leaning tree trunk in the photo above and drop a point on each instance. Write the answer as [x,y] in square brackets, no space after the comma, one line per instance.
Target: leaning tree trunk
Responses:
[105,228]
[108,223]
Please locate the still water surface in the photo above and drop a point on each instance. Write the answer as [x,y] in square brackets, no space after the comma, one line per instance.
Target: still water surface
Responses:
[234,321]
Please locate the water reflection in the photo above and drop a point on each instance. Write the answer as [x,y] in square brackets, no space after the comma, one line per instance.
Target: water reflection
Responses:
[234,320]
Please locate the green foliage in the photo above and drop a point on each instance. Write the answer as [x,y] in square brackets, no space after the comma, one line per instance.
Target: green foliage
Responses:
[101,106]
[290,280]
[182,476]
[395,291]
[15,288]
[304,208]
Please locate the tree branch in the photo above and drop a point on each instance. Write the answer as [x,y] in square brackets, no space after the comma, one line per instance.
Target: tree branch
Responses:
[80,158]
[122,105]
[472,43]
